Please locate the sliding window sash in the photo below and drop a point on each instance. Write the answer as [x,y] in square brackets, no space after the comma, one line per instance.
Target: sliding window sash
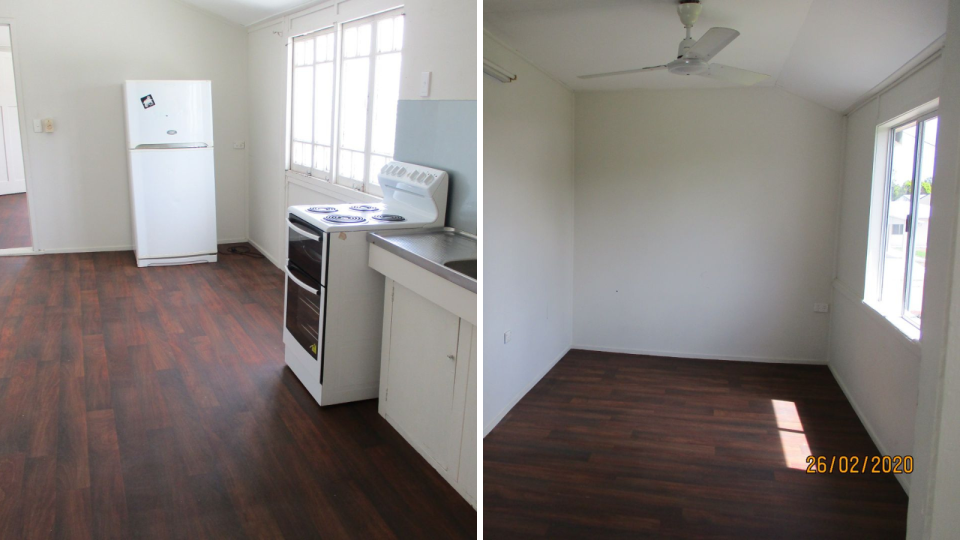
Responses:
[314,82]
[365,107]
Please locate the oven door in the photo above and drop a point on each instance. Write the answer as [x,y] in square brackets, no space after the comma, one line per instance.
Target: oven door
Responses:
[306,248]
[306,302]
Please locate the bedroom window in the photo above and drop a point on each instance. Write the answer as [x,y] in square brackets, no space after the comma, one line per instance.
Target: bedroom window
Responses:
[345,87]
[906,217]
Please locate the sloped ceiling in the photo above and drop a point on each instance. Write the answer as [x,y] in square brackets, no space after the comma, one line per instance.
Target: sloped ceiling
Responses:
[246,12]
[831,52]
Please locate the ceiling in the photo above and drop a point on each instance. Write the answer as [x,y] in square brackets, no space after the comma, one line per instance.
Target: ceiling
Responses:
[246,12]
[829,51]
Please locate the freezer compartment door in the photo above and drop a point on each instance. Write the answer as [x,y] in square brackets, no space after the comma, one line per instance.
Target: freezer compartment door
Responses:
[174,202]
[168,113]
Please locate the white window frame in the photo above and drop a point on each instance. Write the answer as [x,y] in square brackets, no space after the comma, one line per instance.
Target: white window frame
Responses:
[910,227]
[879,208]
[333,176]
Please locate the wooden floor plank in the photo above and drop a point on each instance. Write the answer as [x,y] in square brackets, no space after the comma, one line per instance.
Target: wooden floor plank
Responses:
[621,446]
[14,221]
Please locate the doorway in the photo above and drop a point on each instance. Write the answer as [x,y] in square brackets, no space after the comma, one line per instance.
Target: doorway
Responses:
[15,230]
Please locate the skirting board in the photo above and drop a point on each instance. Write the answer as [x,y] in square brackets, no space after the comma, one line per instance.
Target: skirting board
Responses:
[19,252]
[496,420]
[904,479]
[731,358]
[109,248]
[11,187]
[266,254]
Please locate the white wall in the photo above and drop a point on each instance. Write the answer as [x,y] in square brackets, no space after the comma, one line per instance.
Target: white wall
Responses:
[705,223]
[267,80]
[73,57]
[877,366]
[440,36]
[528,230]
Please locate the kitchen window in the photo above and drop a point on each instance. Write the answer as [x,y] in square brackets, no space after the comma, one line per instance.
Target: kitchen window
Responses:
[906,218]
[345,88]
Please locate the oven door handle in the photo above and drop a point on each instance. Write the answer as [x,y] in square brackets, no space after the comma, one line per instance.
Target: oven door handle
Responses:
[301,284]
[314,237]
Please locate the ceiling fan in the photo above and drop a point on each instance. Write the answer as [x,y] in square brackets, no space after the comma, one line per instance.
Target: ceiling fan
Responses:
[694,55]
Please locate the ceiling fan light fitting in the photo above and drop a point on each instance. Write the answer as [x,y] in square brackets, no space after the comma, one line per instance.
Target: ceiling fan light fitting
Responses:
[687,66]
[689,13]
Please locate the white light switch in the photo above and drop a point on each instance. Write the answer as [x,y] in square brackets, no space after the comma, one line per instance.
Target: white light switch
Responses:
[425,84]
[38,126]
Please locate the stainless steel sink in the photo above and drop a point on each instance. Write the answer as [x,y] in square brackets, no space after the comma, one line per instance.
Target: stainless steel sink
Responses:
[447,253]
[467,267]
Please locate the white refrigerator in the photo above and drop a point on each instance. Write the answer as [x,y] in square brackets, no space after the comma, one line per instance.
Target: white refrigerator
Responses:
[170,160]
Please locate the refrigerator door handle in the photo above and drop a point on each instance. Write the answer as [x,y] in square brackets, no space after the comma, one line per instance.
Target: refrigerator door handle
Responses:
[170,146]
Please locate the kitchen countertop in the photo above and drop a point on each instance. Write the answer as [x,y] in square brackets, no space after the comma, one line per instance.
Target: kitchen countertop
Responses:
[430,249]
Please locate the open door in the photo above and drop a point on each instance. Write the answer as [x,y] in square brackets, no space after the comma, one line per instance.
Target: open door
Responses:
[14,211]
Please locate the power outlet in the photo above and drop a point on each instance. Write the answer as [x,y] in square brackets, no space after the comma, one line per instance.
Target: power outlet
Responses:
[821,308]
[507,336]
[239,145]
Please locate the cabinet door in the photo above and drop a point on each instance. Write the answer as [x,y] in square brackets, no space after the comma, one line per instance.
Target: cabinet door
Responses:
[421,396]
[468,448]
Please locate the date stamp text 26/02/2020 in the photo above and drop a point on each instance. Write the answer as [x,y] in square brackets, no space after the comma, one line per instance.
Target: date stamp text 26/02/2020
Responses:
[859,464]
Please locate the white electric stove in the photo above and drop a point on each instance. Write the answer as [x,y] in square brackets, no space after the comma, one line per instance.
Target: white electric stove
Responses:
[334,300]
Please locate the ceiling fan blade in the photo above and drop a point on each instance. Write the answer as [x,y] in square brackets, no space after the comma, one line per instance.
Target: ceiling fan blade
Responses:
[734,75]
[626,72]
[712,42]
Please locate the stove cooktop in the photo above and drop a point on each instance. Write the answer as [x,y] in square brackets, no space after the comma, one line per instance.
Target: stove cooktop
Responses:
[361,217]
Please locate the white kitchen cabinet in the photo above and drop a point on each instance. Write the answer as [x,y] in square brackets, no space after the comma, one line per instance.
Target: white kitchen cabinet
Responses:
[428,384]
[468,447]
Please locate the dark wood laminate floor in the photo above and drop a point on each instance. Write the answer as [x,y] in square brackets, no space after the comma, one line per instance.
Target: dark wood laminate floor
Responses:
[154,403]
[14,221]
[620,446]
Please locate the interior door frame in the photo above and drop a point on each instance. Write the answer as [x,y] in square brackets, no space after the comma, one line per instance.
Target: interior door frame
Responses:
[24,142]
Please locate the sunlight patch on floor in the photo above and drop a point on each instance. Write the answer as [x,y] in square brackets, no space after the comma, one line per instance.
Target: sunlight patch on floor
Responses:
[792,439]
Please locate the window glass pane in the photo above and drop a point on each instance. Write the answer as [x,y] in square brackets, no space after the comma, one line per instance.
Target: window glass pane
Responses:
[357,166]
[386,92]
[351,165]
[297,153]
[323,115]
[343,166]
[385,35]
[302,154]
[928,150]
[298,53]
[350,42]
[353,103]
[321,158]
[308,52]
[398,33]
[302,103]
[363,40]
[330,47]
[900,204]
[322,48]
